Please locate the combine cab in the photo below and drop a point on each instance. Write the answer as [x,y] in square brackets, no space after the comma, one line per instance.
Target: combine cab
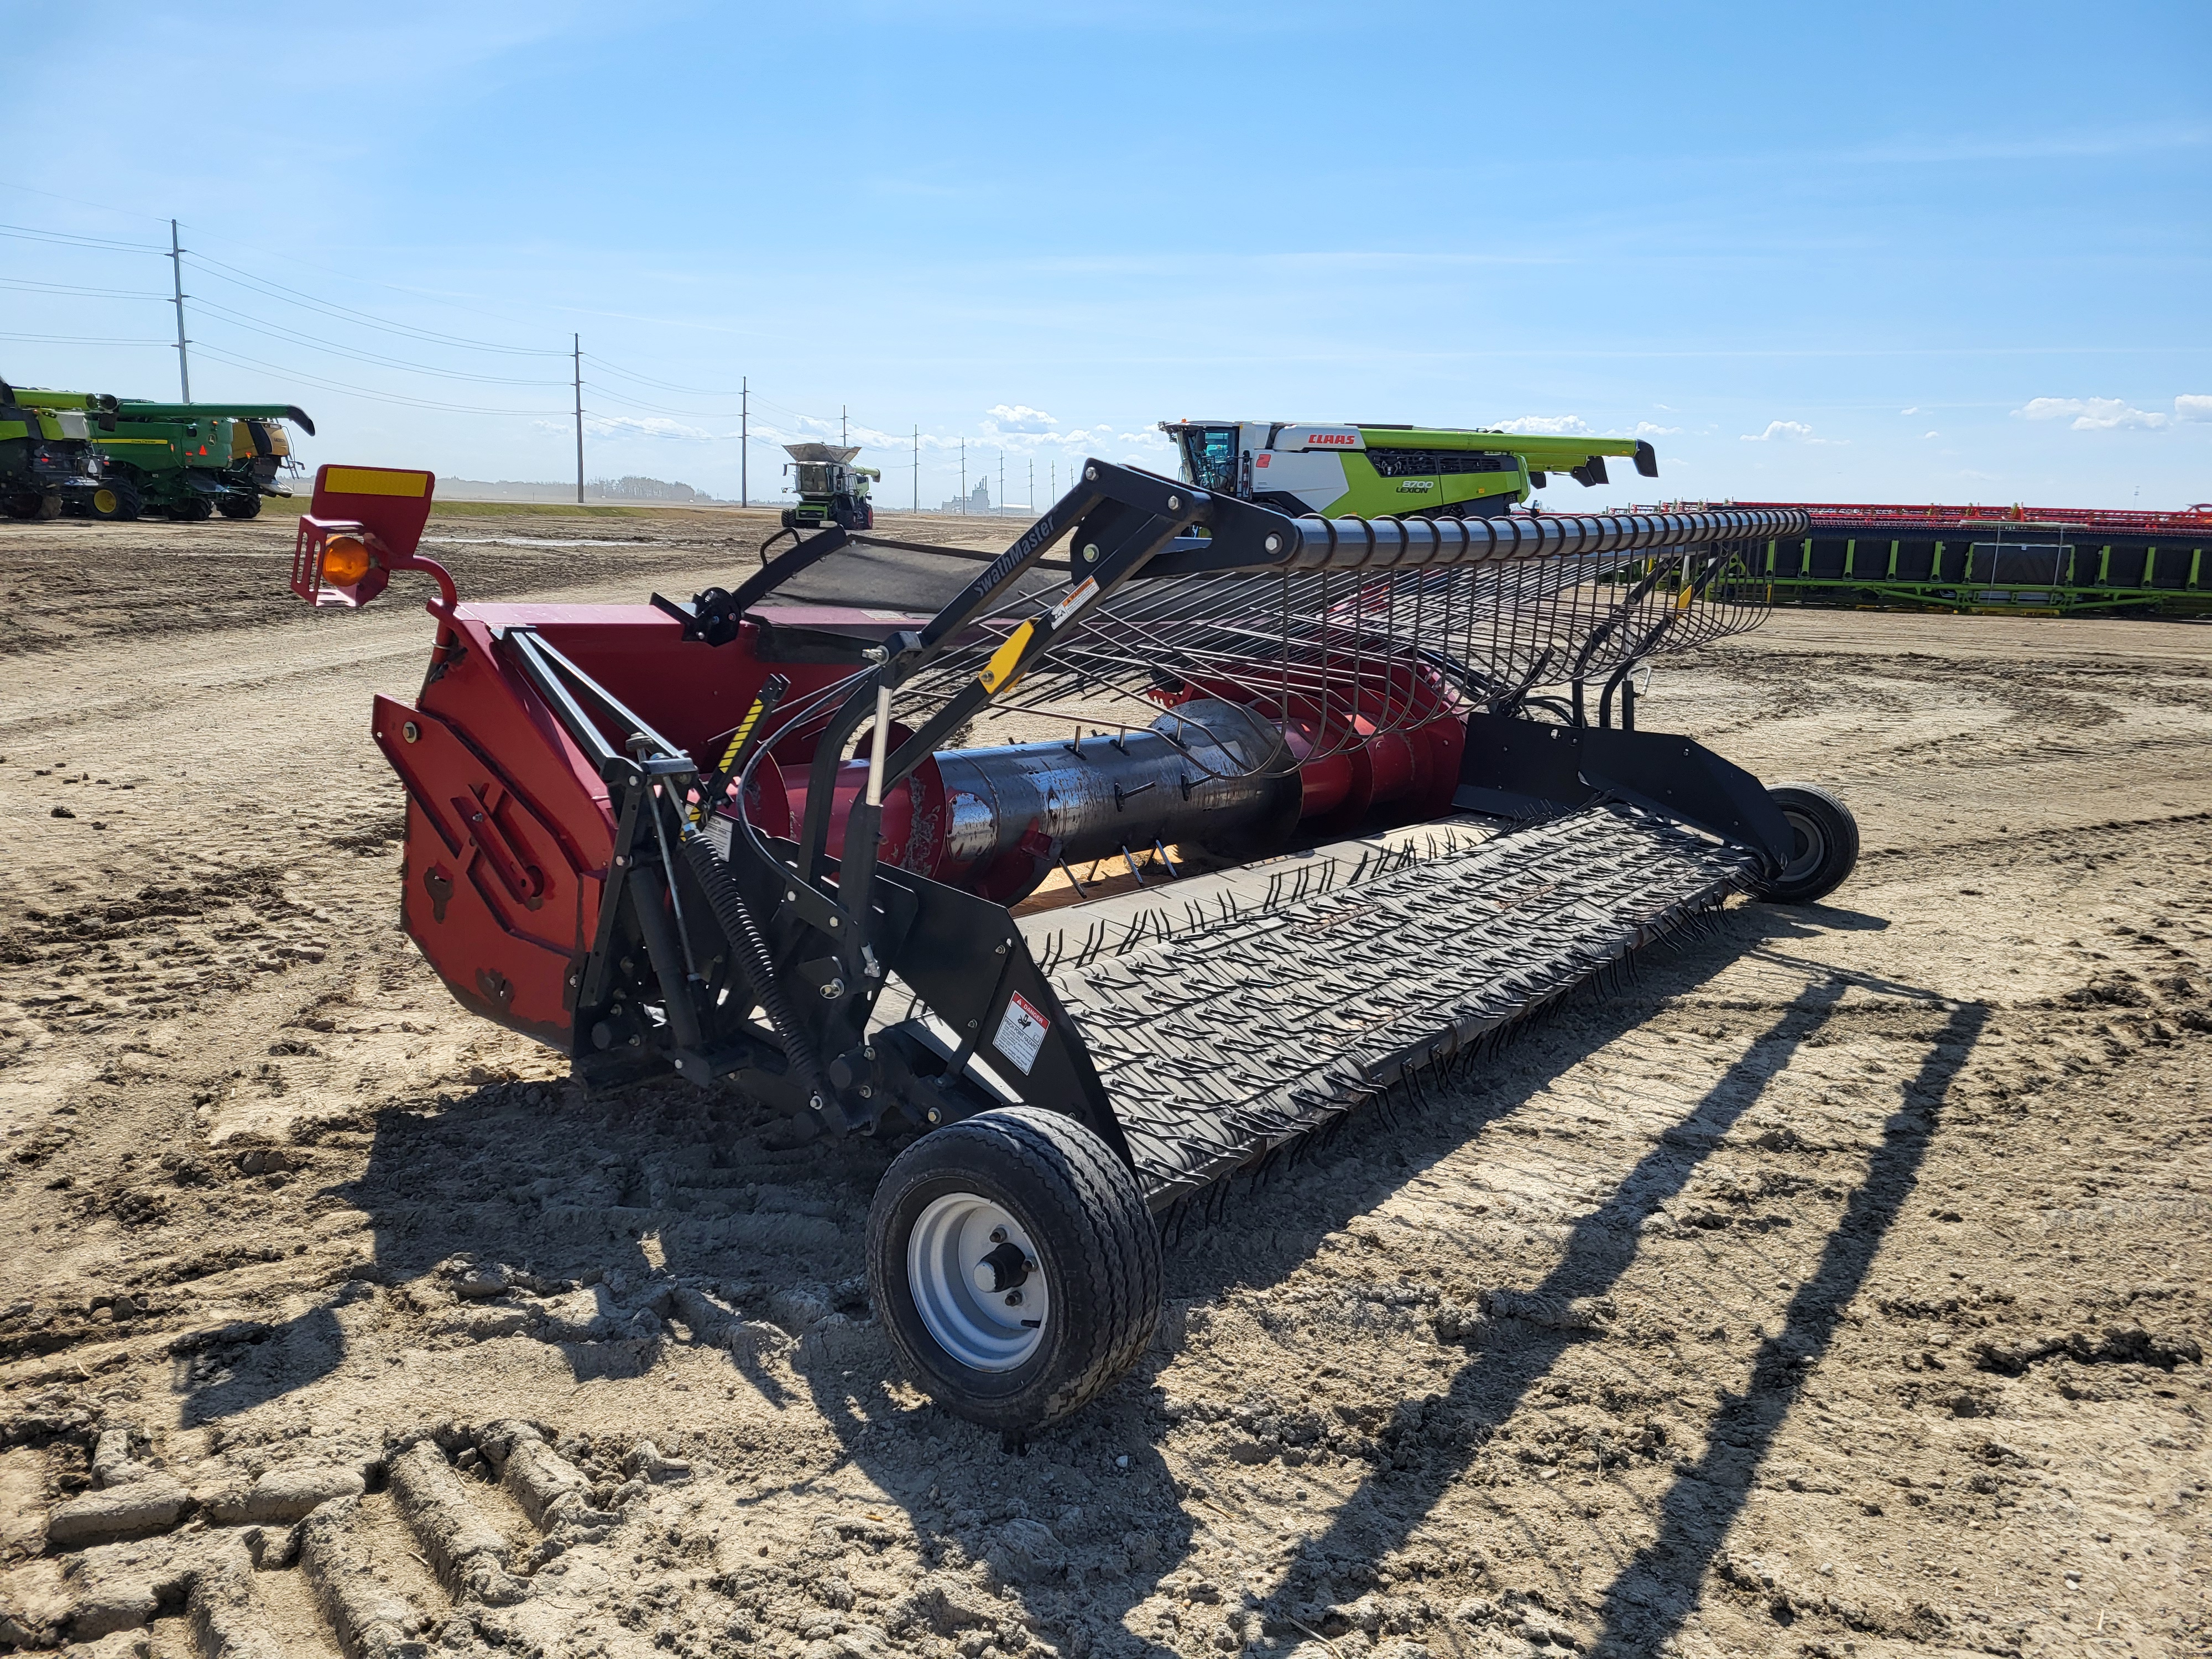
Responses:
[1388,471]
[1384,775]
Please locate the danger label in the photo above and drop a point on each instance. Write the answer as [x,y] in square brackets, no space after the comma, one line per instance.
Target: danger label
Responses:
[1021,1033]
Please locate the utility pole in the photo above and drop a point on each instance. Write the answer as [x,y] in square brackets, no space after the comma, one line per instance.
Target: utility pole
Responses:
[844,433]
[177,272]
[576,344]
[744,439]
[999,507]
[917,466]
[1032,486]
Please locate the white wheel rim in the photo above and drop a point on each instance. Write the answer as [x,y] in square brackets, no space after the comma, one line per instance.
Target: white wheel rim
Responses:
[950,1282]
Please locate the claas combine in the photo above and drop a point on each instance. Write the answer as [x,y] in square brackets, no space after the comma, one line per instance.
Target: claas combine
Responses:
[1375,785]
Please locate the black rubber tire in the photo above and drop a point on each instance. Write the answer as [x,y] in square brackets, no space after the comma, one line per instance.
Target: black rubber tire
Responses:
[20,507]
[239,504]
[193,509]
[1827,845]
[122,503]
[1097,1251]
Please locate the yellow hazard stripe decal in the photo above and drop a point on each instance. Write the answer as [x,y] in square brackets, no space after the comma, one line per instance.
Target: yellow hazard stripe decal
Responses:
[374,481]
[737,737]
[999,670]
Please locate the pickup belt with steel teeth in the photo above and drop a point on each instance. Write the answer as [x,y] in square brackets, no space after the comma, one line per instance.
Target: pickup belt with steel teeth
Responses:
[1222,1043]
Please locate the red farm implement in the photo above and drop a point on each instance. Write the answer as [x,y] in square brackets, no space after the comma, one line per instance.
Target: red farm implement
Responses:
[1385,773]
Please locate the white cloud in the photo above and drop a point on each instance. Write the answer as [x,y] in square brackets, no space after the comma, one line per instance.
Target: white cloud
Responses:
[1017,417]
[1646,429]
[2192,406]
[1782,432]
[2093,414]
[1914,410]
[1548,426]
[1931,434]
[623,426]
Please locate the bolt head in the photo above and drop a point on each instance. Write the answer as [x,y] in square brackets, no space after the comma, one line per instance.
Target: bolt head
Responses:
[1175,503]
[1013,1298]
[1091,553]
[998,1235]
[934,1115]
[411,732]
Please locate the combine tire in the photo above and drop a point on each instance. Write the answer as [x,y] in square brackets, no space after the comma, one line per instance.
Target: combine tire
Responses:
[1827,845]
[114,501]
[1014,1266]
[238,505]
[195,510]
[20,507]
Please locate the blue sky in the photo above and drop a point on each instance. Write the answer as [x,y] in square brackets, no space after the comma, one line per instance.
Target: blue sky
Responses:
[1874,252]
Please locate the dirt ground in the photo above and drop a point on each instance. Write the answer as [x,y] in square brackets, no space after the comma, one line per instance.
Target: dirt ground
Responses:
[1839,1286]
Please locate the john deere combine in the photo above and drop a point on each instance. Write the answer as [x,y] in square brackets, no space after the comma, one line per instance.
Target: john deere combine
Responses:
[46,457]
[1388,471]
[181,460]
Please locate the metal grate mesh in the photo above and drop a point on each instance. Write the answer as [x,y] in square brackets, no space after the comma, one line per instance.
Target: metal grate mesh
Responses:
[1220,1043]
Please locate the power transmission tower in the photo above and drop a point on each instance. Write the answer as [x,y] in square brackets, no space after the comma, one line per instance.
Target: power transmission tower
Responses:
[177,271]
[917,467]
[843,435]
[1000,506]
[1032,486]
[963,474]
[576,342]
[745,439]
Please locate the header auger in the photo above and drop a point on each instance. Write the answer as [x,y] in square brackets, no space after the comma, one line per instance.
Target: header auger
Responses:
[1397,762]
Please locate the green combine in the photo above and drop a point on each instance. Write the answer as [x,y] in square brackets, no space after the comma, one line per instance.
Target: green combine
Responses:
[47,462]
[1388,471]
[832,489]
[187,461]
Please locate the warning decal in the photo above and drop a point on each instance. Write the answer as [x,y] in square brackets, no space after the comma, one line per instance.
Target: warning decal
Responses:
[1021,1033]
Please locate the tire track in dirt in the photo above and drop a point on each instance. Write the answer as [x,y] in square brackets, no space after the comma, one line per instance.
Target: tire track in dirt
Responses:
[1603,1344]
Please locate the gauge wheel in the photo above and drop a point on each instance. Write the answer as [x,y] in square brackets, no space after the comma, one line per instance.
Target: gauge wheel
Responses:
[1014,1266]
[1824,839]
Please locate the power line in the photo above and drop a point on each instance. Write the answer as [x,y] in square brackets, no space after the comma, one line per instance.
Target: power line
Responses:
[240,319]
[665,385]
[246,279]
[80,339]
[73,288]
[70,239]
[240,361]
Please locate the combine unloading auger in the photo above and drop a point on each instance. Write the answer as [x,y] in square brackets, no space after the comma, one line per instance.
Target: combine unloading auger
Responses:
[723,838]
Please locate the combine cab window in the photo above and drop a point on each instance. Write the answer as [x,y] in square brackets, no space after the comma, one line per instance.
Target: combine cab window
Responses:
[816,479]
[1210,453]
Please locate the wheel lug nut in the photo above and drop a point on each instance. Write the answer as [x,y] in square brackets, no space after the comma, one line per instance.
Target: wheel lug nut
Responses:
[1013,1298]
[998,1235]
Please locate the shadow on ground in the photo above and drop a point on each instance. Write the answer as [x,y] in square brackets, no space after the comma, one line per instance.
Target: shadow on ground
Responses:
[569,1187]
